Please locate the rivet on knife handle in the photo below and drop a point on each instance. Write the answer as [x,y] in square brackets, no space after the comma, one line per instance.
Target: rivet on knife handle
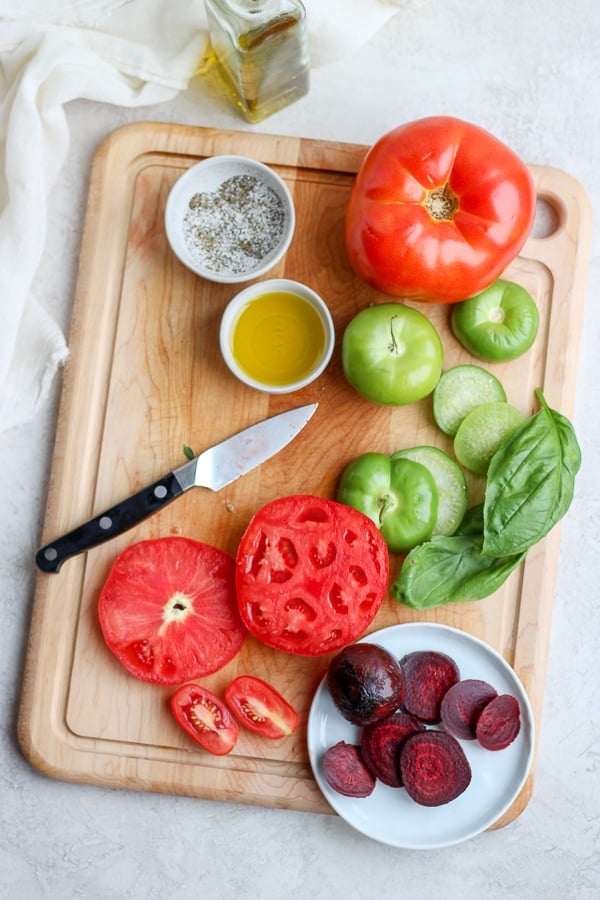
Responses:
[114,521]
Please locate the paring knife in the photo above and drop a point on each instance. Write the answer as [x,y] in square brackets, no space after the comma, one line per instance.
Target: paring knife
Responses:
[213,469]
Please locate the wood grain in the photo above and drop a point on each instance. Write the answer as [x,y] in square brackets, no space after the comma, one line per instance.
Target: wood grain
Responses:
[145,378]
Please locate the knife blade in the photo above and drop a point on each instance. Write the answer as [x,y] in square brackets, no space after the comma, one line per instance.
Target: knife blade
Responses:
[213,469]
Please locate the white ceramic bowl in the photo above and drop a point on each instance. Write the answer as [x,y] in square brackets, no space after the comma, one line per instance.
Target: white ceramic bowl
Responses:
[277,338]
[229,218]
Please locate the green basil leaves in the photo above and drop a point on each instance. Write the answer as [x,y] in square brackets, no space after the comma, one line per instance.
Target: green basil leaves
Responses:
[530,483]
[529,487]
[451,570]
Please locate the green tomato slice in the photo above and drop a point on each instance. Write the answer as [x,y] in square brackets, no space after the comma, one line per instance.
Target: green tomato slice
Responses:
[482,432]
[450,482]
[497,325]
[399,495]
[459,390]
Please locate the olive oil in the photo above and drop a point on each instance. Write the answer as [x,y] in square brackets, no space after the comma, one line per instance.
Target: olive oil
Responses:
[278,338]
[261,51]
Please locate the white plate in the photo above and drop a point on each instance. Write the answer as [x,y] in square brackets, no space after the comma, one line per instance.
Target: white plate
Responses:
[389,815]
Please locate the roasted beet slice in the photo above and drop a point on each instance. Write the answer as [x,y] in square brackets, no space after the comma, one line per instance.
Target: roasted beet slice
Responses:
[434,768]
[428,675]
[499,722]
[366,683]
[462,704]
[346,772]
[381,743]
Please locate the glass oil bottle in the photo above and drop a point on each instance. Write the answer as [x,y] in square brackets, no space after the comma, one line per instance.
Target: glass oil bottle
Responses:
[260,48]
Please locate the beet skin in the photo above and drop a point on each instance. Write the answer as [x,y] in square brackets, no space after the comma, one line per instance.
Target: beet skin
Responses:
[366,683]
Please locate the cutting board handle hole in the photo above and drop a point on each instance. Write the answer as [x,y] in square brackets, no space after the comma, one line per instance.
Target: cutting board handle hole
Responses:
[548,218]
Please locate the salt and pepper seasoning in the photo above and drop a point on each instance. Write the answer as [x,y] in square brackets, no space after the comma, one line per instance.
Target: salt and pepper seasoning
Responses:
[234,228]
[261,51]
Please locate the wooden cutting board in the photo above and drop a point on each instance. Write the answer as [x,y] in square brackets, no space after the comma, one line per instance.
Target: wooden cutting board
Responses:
[145,378]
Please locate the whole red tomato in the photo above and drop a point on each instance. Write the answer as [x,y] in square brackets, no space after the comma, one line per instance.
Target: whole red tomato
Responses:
[438,210]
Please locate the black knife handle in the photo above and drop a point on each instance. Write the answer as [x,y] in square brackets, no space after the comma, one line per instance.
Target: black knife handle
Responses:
[108,524]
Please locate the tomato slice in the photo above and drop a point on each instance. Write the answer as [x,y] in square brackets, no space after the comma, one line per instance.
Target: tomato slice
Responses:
[205,718]
[259,707]
[311,574]
[168,610]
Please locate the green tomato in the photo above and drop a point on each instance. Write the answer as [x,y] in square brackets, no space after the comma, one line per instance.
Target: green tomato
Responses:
[399,495]
[497,325]
[392,354]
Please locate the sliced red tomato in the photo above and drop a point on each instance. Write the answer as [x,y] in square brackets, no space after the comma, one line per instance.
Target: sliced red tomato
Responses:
[311,574]
[168,610]
[205,718]
[259,707]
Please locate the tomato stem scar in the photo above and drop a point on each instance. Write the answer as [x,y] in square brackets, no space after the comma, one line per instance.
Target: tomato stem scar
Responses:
[441,203]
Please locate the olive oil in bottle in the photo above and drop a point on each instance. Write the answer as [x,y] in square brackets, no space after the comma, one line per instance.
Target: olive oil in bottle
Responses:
[260,48]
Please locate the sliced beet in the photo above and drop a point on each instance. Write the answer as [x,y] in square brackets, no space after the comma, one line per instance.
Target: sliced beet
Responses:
[434,768]
[499,722]
[381,743]
[428,675]
[462,705]
[345,770]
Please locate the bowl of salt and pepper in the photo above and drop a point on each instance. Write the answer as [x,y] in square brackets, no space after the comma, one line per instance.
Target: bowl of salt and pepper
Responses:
[231,219]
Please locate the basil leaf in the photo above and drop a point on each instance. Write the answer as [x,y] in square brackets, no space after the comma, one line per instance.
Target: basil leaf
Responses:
[472,522]
[451,570]
[530,482]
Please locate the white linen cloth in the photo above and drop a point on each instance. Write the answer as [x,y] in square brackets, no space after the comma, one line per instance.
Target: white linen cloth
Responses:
[123,52]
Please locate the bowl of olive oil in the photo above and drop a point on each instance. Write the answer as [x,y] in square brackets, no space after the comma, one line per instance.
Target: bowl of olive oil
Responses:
[277,335]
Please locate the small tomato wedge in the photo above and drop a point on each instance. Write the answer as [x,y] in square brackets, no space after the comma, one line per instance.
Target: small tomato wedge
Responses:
[168,610]
[205,718]
[311,574]
[259,707]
